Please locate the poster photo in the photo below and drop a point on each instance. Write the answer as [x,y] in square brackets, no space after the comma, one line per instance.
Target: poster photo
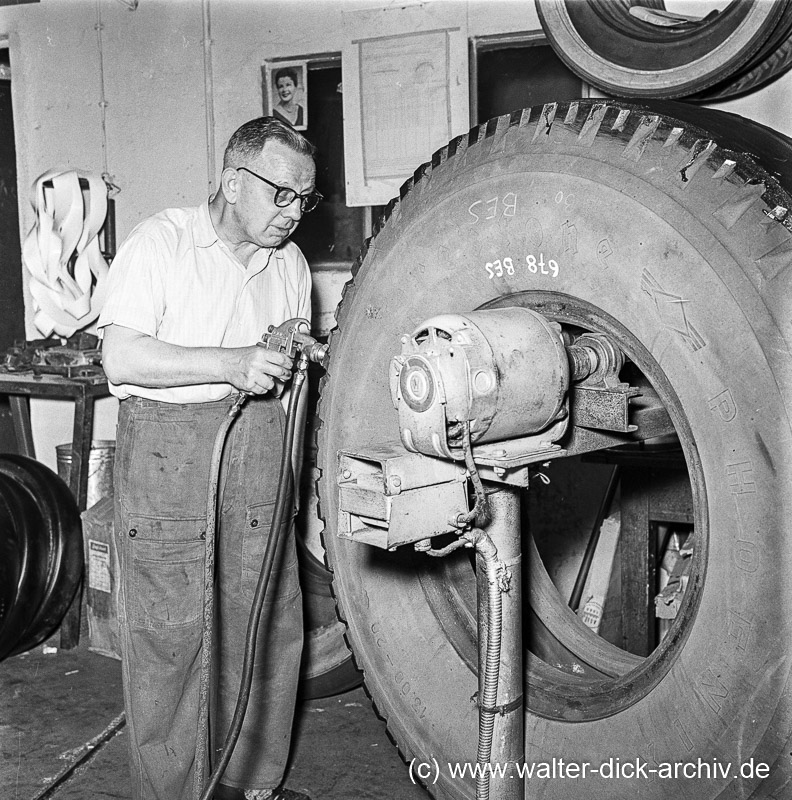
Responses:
[285,95]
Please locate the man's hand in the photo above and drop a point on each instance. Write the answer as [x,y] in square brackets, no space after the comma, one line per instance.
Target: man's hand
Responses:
[258,370]
[132,357]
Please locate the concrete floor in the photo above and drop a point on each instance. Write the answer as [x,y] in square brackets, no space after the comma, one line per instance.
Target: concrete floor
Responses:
[52,705]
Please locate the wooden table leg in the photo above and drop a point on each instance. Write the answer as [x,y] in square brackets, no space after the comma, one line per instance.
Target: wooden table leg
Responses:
[82,435]
[20,414]
[78,482]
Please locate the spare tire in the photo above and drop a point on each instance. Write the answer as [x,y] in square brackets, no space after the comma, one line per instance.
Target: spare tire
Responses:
[641,223]
[610,48]
[41,555]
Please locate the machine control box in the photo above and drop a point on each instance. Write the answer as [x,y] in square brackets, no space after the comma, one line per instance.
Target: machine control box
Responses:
[390,497]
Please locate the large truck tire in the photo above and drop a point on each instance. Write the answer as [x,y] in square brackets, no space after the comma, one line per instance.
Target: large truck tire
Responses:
[638,222]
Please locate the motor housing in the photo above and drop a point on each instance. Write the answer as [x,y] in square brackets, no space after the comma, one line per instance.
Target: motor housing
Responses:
[505,371]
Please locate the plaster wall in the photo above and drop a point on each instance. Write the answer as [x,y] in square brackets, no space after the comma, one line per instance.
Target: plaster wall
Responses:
[149,95]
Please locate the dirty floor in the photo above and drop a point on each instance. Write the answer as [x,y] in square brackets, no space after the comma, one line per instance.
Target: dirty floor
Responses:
[58,708]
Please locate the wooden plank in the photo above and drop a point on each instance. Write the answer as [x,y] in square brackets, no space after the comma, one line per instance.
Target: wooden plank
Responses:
[638,564]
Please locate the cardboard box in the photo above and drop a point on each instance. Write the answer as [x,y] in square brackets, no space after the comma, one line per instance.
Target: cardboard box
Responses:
[101,562]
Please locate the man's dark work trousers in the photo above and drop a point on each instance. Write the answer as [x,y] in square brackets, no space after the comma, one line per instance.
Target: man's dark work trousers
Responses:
[163,452]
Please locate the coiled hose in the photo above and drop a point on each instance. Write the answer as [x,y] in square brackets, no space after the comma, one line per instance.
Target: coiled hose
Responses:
[251,637]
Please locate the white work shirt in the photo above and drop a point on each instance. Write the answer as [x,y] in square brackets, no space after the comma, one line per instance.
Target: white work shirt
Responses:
[174,279]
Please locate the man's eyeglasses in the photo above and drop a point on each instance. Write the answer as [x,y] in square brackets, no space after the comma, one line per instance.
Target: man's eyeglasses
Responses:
[284,196]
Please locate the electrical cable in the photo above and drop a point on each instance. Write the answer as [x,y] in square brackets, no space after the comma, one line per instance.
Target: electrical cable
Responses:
[251,637]
[480,515]
[99,27]
[208,92]
[86,754]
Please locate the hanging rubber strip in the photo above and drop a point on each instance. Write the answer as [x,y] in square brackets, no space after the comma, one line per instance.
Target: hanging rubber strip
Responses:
[68,274]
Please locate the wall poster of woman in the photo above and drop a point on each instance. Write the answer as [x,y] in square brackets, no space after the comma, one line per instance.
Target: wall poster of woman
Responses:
[285,95]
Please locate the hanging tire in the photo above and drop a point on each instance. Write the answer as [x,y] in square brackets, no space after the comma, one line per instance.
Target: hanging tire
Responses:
[642,224]
[41,557]
[607,46]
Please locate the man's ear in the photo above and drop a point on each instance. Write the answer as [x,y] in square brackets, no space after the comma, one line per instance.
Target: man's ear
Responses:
[229,184]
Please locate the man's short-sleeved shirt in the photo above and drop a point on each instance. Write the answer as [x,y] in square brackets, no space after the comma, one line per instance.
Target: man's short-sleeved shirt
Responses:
[174,279]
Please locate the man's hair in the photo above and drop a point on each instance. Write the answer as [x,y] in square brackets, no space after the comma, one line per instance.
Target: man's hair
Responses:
[247,142]
[286,72]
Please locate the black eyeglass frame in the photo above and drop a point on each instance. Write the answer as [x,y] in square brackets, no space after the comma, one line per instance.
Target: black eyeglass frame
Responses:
[282,192]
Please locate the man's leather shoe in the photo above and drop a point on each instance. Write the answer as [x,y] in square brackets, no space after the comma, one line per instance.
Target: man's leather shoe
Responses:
[281,793]
[288,794]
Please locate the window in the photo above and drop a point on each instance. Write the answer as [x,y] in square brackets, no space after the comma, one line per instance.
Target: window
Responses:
[510,73]
[332,234]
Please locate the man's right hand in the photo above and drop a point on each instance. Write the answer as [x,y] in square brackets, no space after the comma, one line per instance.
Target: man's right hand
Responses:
[133,357]
[258,370]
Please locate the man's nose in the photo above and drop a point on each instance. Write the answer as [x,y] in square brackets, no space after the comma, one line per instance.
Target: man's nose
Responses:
[294,209]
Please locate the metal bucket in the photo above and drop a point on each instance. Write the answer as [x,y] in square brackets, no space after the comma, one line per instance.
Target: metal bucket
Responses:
[100,468]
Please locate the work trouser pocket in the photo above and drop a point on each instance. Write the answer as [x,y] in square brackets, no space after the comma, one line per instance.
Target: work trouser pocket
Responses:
[165,566]
[284,580]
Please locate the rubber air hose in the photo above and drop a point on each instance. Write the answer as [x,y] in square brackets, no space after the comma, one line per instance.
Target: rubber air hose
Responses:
[251,637]
[208,601]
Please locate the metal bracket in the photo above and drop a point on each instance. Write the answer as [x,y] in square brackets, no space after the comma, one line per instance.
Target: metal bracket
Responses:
[603,409]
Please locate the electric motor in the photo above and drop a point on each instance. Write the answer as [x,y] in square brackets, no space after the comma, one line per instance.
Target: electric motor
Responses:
[505,371]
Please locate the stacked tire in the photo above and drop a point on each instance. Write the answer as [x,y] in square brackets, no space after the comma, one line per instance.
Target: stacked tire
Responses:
[41,553]
[632,49]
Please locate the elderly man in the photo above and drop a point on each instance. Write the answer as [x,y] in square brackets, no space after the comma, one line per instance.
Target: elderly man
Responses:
[191,292]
